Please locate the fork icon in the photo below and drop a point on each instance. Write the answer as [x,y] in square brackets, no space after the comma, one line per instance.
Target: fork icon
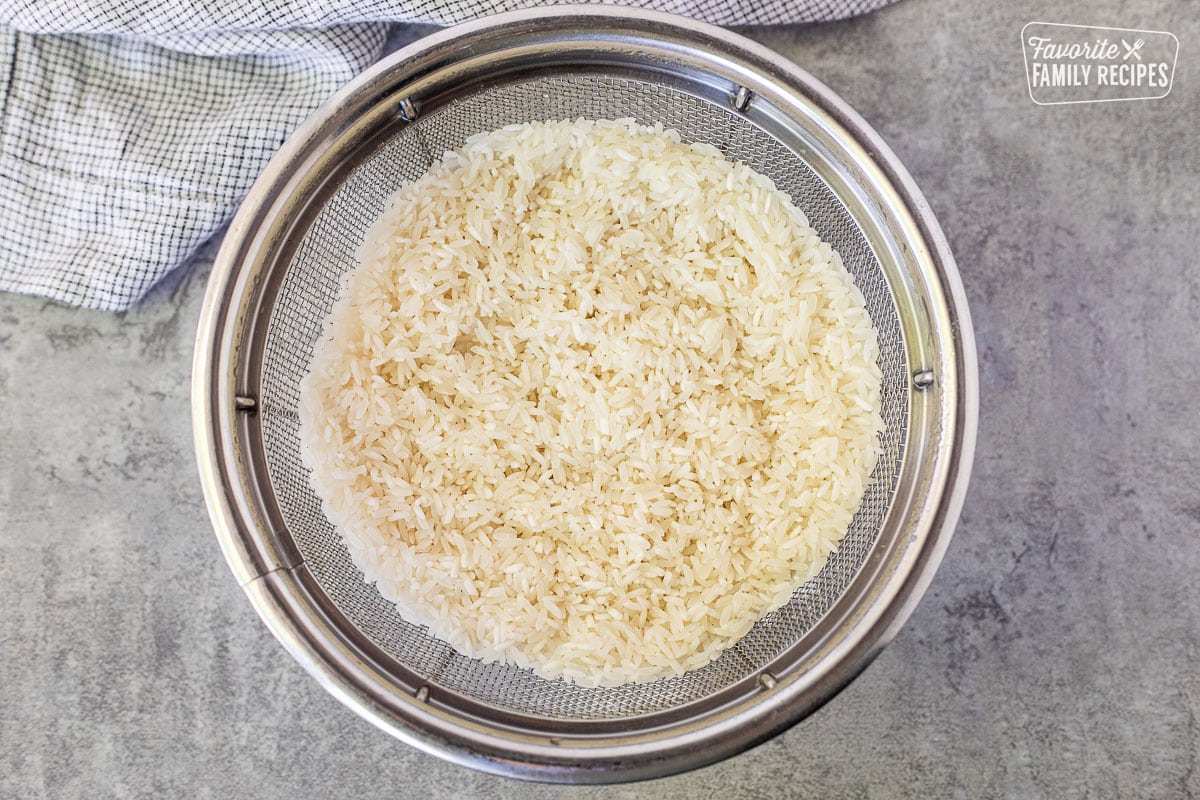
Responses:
[1132,50]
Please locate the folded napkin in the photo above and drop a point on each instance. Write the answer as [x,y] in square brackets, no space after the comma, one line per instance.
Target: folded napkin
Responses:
[131,129]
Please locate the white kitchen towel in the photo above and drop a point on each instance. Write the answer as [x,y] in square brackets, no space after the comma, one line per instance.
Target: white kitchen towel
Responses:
[131,129]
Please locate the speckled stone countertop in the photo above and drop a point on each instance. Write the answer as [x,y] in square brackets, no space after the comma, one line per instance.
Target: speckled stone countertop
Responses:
[1057,653]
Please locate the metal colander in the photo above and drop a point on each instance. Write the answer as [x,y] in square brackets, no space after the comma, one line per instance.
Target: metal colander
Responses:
[278,274]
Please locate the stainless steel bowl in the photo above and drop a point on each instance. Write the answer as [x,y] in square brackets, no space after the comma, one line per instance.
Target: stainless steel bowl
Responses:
[275,280]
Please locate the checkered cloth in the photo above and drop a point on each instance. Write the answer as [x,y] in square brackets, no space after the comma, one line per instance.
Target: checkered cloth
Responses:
[131,129]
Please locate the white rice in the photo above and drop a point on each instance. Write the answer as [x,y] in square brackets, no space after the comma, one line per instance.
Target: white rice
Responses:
[593,402]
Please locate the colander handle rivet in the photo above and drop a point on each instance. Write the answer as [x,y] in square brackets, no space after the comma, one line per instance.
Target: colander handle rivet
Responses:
[423,694]
[244,402]
[741,99]
[409,110]
[766,680]
[923,378]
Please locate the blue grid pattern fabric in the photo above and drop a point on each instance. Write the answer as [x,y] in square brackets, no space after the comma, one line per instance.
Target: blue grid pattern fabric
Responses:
[131,129]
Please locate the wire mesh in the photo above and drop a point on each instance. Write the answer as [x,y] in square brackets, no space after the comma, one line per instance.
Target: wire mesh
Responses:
[327,250]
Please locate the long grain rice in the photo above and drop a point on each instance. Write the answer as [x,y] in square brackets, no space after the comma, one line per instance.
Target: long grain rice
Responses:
[593,402]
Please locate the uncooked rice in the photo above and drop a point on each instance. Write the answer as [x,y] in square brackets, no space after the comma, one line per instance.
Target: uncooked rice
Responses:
[593,402]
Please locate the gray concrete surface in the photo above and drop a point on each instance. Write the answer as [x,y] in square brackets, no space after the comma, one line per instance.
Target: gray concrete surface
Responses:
[1055,655]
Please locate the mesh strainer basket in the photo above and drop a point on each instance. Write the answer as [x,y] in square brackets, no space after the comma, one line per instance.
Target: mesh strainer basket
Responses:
[277,276]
